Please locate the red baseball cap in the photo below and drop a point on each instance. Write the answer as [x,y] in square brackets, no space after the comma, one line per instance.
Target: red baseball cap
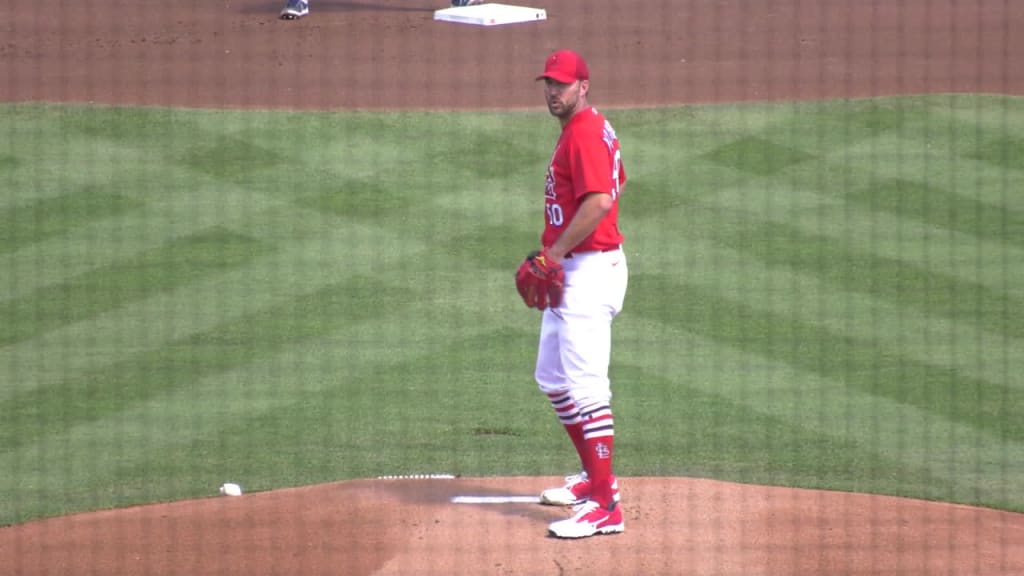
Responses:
[565,66]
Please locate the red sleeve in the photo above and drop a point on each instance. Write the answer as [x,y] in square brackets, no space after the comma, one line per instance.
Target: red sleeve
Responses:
[591,163]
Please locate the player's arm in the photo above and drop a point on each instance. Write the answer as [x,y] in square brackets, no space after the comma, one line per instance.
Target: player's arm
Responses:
[592,210]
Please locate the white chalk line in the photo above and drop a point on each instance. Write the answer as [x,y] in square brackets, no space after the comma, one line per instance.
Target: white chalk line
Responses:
[494,499]
[419,477]
[465,499]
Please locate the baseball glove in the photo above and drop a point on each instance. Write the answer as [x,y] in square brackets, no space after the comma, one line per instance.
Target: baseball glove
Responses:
[540,281]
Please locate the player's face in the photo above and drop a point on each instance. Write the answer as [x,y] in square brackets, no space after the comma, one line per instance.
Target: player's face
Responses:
[564,99]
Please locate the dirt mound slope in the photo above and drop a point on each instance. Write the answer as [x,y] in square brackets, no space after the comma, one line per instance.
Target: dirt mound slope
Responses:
[411,526]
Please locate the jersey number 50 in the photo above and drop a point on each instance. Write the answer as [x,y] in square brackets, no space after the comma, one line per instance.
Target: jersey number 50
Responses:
[555,215]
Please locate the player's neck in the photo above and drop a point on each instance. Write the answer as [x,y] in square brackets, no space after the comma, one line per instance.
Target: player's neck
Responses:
[581,105]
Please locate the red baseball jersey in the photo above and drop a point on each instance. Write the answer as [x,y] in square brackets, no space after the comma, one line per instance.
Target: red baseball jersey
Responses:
[586,159]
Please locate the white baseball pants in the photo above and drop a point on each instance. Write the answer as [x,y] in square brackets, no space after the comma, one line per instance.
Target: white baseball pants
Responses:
[575,339]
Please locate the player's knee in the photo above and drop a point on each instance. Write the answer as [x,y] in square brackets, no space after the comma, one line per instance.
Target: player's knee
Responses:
[550,384]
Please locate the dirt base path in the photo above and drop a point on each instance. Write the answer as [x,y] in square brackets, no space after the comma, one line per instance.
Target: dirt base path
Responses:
[391,54]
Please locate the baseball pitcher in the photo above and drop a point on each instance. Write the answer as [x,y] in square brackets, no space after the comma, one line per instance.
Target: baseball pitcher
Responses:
[578,279]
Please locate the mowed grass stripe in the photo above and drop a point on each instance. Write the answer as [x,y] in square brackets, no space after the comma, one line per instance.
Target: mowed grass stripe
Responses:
[949,167]
[899,449]
[965,239]
[998,111]
[936,206]
[99,395]
[990,131]
[47,218]
[331,407]
[99,291]
[769,383]
[803,295]
[310,250]
[375,393]
[916,140]
[929,290]
[864,365]
[965,257]
[732,428]
[948,158]
[171,207]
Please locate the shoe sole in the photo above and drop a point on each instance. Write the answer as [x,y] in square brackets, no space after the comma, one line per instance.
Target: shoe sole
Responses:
[550,501]
[602,531]
[290,16]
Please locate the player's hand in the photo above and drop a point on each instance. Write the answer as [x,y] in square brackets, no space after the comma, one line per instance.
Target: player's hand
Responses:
[540,281]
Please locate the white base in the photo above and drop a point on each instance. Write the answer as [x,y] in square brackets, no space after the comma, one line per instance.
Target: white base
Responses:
[490,14]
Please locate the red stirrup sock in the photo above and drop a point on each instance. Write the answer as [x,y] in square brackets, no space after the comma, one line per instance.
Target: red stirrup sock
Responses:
[570,417]
[599,438]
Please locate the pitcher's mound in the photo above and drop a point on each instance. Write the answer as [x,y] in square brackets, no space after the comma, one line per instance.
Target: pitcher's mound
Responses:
[411,526]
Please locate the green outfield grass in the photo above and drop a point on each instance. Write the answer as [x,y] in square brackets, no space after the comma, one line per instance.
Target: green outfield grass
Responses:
[822,295]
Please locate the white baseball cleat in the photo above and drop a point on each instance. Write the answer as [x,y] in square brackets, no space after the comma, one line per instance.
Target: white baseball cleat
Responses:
[590,519]
[575,491]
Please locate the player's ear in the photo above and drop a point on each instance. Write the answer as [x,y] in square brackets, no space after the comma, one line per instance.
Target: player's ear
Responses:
[584,87]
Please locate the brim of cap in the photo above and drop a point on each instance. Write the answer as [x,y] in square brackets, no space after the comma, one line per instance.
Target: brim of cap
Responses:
[558,77]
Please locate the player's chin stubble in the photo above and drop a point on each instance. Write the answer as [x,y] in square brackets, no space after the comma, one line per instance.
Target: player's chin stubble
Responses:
[559,108]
